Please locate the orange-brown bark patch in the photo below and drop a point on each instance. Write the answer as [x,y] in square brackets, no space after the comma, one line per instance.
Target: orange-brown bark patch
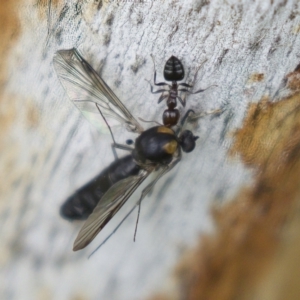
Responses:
[46,8]
[257,77]
[249,228]
[9,33]
[293,81]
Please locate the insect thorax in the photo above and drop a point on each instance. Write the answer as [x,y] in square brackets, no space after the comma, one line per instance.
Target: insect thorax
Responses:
[157,144]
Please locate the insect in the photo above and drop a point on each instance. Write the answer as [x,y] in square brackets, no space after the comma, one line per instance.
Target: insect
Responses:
[173,72]
[156,149]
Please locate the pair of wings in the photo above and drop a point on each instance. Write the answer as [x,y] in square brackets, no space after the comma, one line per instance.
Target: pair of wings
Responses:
[90,94]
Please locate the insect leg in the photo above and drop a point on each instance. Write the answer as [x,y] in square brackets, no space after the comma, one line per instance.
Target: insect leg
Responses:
[185,90]
[190,115]
[159,83]
[115,146]
[186,118]
[162,97]
[151,185]
[189,85]
[185,84]
[113,149]
[122,147]
[200,91]
[202,114]
[146,121]
[196,92]
[158,91]
[112,136]
[182,101]
[114,231]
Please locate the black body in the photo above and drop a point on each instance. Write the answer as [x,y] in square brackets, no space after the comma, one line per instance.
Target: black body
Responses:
[156,149]
[173,71]
[156,145]
[81,204]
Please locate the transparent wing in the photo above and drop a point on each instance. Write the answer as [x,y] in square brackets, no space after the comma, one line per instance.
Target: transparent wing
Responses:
[109,205]
[89,92]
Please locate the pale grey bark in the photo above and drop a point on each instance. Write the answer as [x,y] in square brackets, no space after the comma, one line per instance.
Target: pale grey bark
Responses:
[228,40]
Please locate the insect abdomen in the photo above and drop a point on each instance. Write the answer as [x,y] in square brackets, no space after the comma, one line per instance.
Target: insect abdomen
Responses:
[82,203]
[173,70]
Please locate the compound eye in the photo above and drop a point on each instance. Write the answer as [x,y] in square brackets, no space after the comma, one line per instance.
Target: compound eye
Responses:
[187,141]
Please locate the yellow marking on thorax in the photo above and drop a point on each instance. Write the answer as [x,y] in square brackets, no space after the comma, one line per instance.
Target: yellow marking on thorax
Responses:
[164,129]
[170,147]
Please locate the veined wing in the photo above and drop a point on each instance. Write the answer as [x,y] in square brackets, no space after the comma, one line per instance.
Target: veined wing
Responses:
[89,92]
[109,205]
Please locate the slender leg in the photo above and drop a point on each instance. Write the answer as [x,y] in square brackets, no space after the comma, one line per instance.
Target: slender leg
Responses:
[112,136]
[162,97]
[187,116]
[190,115]
[182,101]
[146,121]
[196,92]
[114,144]
[184,90]
[158,91]
[151,185]
[190,86]
[203,114]
[159,83]
[200,91]
[113,149]
[195,76]
[185,84]
[114,231]
[122,147]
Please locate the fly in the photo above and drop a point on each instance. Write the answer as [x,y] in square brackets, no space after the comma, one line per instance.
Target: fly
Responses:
[156,149]
[173,72]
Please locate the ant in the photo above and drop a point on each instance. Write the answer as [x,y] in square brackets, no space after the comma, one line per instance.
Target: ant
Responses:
[173,71]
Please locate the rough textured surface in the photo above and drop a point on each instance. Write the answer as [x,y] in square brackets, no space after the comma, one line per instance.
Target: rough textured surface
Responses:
[246,160]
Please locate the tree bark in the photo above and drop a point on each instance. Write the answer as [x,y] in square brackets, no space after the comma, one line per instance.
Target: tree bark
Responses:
[218,226]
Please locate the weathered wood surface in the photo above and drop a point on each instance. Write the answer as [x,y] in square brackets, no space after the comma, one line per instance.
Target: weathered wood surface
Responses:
[246,162]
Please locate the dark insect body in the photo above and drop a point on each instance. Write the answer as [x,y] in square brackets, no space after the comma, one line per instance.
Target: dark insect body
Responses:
[156,144]
[173,72]
[156,149]
[82,203]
